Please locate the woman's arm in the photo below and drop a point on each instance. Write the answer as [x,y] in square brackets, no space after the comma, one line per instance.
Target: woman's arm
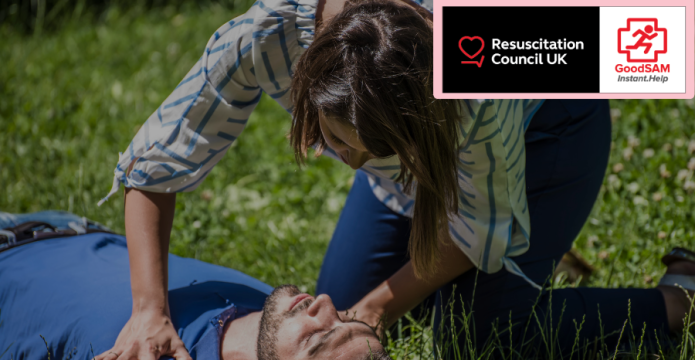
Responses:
[148,220]
[403,291]
[149,333]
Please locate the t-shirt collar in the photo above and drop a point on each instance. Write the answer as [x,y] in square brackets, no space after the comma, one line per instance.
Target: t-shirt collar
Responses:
[208,347]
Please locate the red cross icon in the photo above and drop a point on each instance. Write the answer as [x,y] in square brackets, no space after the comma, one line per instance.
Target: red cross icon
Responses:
[642,40]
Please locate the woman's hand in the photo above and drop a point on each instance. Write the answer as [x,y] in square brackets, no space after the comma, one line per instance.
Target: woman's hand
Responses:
[147,336]
[368,313]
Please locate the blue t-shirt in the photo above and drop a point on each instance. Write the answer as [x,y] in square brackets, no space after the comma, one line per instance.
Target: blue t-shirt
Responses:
[75,292]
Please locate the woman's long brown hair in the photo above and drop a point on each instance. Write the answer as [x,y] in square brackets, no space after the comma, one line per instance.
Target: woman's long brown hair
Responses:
[371,67]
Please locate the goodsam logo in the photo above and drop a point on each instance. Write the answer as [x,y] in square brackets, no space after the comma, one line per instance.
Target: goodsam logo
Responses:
[642,40]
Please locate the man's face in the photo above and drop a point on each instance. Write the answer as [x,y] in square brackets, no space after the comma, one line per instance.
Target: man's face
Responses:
[298,326]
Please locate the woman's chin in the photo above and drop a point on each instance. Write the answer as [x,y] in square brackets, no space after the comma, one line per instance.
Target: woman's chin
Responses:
[356,165]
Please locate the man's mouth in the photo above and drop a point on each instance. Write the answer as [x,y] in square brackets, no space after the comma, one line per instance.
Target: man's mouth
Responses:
[297,300]
[342,158]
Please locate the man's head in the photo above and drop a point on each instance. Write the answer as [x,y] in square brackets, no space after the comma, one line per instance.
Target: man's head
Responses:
[298,326]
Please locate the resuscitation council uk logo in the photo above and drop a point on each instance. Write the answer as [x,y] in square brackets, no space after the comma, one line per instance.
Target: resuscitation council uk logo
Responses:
[536,58]
[570,51]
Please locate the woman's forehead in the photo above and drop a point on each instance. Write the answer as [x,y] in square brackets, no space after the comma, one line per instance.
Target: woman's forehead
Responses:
[344,131]
[335,118]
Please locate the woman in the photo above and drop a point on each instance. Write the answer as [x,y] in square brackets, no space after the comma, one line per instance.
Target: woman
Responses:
[443,186]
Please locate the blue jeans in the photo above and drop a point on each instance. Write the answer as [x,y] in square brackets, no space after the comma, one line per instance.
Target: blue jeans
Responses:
[567,147]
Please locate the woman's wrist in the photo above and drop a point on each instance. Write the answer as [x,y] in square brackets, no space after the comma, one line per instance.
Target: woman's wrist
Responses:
[403,291]
[373,308]
[150,306]
[379,299]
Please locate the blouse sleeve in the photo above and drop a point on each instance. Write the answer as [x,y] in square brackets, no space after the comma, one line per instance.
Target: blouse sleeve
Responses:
[188,134]
[493,221]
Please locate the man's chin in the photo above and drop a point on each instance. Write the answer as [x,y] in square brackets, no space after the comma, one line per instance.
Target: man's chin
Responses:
[271,320]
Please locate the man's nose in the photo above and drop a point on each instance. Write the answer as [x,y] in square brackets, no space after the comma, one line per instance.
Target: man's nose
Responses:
[322,305]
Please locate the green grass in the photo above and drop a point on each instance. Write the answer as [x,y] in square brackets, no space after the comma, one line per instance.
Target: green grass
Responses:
[73,100]
[70,100]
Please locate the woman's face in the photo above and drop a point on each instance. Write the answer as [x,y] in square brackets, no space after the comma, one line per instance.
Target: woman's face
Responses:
[343,138]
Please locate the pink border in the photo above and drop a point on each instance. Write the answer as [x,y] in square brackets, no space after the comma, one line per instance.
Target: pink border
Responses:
[689,55]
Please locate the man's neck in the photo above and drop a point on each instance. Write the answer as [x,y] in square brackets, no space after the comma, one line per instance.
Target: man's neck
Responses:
[239,338]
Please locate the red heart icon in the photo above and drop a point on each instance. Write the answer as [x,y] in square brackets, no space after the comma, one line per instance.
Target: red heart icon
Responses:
[482,45]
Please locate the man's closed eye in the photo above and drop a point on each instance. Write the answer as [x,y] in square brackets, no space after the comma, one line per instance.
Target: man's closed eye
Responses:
[332,338]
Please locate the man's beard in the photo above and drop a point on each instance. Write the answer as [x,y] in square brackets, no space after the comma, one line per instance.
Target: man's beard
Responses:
[266,348]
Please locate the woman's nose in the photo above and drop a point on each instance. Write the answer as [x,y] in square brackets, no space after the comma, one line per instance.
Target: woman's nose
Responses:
[321,306]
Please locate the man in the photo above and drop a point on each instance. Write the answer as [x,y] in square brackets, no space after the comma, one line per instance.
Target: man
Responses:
[73,293]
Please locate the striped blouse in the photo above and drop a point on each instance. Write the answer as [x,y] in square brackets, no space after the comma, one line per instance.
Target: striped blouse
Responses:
[188,134]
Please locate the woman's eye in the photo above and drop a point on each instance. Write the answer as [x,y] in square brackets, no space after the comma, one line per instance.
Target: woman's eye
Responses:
[336,140]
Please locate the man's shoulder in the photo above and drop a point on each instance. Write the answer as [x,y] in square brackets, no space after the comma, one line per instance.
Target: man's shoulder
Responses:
[186,271]
[222,293]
